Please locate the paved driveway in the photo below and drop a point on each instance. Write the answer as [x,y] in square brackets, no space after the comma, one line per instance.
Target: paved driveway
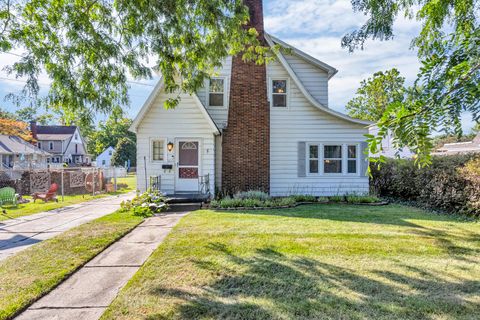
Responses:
[18,234]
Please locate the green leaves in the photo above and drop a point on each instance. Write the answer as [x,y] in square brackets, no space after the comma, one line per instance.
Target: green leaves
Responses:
[91,48]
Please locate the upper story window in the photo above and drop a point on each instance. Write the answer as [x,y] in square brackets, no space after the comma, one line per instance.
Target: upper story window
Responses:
[76,136]
[279,93]
[157,150]
[110,152]
[50,145]
[39,145]
[216,92]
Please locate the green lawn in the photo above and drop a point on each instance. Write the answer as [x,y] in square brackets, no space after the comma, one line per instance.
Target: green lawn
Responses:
[310,262]
[39,206]
[33,272]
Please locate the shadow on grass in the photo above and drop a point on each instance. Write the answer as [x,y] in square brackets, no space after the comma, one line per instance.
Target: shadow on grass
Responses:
[270,285]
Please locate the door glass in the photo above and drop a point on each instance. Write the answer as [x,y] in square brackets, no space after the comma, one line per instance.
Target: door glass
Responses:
[188,160]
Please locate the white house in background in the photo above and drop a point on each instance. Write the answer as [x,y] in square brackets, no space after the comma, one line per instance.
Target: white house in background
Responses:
[388,148]
[16,153]
[460,147]
[254,128]
[104,159]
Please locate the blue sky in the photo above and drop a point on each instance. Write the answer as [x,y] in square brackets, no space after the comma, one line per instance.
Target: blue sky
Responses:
[315,27]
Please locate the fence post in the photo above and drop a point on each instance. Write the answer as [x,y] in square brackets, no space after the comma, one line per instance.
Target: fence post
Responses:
[62,179]
[93,182]
[114,179]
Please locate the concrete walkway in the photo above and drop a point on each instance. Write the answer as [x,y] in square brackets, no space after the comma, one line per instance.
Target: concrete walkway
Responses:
[90,290]
[20,233]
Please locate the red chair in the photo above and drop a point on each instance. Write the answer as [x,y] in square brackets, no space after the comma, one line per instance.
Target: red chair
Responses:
[51,194]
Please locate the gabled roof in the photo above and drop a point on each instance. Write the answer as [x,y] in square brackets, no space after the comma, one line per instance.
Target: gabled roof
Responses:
[56,129]
[16,145]
[53,137]
[149,102]
[302,88]
[322,65]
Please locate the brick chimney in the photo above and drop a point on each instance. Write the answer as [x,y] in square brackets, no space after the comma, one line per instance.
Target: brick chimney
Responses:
[33,129]
[246,140]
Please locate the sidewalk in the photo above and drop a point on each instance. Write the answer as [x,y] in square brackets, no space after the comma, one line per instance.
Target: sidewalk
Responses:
[18,234]
[90,290]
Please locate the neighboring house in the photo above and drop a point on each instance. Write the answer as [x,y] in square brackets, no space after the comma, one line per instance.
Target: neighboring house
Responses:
[254,127]
[16,153]
[460,147]
[65,143]
[388,148]
[104,159]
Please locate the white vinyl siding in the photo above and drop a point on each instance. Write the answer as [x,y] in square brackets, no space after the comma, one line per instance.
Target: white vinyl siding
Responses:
[314,79]
[304,122]
[219,115]
[185,121]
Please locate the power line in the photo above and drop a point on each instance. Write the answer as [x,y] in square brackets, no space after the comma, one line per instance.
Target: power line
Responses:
[24,81]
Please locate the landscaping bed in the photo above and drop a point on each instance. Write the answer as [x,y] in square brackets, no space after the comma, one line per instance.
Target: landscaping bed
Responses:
[33,272]
[257,200]
[323,261]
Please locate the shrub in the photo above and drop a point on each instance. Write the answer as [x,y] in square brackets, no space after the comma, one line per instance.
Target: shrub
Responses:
[304,198]
[146,204]
[450,183]
[336,198]
[362,199]
[252,194]
[252,203]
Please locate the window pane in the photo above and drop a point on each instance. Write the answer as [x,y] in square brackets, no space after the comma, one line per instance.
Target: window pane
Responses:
[332,166]
[216,99]
[279,86]
[216,85]
[279,100]
[352,152]
[313,152]
[352,166]
[313,166]
[157,150]
[333,151]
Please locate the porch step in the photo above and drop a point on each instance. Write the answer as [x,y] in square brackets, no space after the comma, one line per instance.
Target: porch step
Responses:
[184,207]
[186,198]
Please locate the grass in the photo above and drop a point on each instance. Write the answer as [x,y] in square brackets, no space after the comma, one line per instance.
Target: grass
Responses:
[39,206]
[33,272]
[322,261]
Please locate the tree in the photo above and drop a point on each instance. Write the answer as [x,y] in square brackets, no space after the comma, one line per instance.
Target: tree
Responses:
[110,132]
[15,128]
[447,84]
[126,149]
[28,114]
[89,48]
[476,128]
[376,94]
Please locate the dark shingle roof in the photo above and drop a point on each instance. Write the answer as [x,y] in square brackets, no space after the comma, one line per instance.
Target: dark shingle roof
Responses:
[56,129]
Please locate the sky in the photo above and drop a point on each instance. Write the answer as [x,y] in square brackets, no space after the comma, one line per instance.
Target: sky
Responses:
[315,27]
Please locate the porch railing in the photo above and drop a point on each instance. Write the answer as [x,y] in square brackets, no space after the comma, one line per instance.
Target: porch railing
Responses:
[204,184]
[156,183]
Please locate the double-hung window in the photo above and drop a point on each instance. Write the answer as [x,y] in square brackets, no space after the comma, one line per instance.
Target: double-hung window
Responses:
[352,158]
[157,150]
[279,93]
[313,159]
[216,92]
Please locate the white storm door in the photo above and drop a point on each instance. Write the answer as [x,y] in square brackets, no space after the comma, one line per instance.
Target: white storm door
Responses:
[188,154]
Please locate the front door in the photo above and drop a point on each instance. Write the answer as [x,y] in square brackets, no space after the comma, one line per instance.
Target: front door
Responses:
[187,165]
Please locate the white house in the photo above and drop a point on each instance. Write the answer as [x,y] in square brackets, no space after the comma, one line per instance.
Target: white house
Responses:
[460,147]
[104,159]
[389,150]
[254,127]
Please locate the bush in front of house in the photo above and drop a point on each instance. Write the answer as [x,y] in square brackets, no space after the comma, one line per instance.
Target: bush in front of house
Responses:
[362,199]
[450,183]
[146,204]
[304,198]
[252,194]
[252,199]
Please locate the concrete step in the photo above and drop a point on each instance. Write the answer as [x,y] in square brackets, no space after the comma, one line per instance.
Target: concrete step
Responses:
[184,207]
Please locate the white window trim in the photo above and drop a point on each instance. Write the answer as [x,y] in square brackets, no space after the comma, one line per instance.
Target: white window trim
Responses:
[321,158]
[270,92]
[164,149]
[225,93]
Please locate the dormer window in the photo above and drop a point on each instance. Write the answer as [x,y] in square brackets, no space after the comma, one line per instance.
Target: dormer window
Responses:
[216,92]
[279,93]
[50,145]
